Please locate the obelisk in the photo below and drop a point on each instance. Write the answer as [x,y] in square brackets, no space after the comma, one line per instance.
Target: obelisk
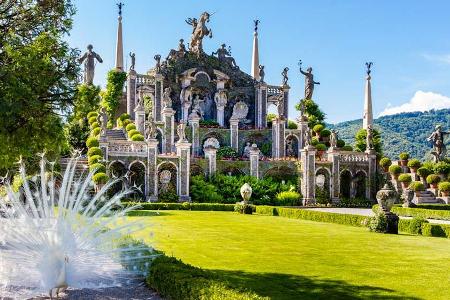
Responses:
[119,44]
[255,53]
[368,114]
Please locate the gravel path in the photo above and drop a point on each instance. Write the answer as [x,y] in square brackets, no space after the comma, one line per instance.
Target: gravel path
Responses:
[365,212]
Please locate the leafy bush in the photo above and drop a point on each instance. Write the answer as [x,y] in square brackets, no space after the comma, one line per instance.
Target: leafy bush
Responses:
[124,117]
[226,152]
[94,151]
[325,133]
[403,156]
[405,178]
[94,159]
[126,122]
[132,132]
[92,120]
[130,127]
[438,230]
[92,114]
[203,191]
[378,223]
[395,169]
[385,162]
[442,167]
[340,143]
[95,125]
[318,128]
[321,147]
[137,138]
[417,186]
[100,178]
[114,90]
[243,208]
[314,140]
[424,172]
[92,142]
[306,214]
[288,198]
[97,168]
[433,179]
[347,148]
[415,225]
[96,131]
[421,213]
[170,196]
[414,163]
[292,125]
[444,186]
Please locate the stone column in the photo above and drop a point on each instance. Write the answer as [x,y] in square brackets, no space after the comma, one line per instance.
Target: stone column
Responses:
[211,155]
[139,114]
[152,175]
[371,188]
[169,126]
[159,88]
[254,161]
[131,92]
[333,157]
[104,145]
[278,139]
[234,134]
[261,105]
[308,174]
[184,169]
[286,89]
[194,122]
[302,126]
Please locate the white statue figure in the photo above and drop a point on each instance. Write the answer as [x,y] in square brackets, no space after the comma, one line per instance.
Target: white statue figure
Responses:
[164,179]
[199,30]
[167,101]
[220,98]
[150,130]
[103,120]
[247,149]
[89,66]
[181,131]
[186,102]
[280,107]
[333,138]
[307,137]
[197,106]
[211,142]
[240,111]
[290,148]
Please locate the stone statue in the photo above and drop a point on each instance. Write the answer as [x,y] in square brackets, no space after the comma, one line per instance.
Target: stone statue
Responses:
[150,130]
[290,147]
[247,149]
[256,23]
[181,131]
[167,101]
[261,73]
[369,138]
[368,66]
[280,106]
[309,82]
[164,178]
[224,55]
[307,137]
[285,75]
[89,58]
[199,31]
[119,6]
[197,107]
[220,98]
[240,111]
[333,138]
[437,138]
[103,120]
[179,53]
[133,60]
[157,58]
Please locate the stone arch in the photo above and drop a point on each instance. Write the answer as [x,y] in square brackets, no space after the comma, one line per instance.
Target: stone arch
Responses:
[292,142]
[212,134]
[280,173]
[323,185]
[170,187]
[345,182]
[202,73]
[117,169]
[138,176]
[359,184]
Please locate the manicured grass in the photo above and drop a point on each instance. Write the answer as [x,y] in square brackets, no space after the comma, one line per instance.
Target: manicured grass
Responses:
[295,259]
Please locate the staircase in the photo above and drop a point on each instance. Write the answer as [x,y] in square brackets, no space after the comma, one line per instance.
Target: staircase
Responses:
[115,134]
[425,197]
[82,166]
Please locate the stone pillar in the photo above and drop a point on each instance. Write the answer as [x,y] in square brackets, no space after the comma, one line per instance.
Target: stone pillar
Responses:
[286,89]
[131,92]
[234,134]
[140,119]
[254,161]
[308,175]
[302,126]
[221,115]
[103,145]
[371,188]
[169,126]
[368,115]
[333,157]
[211,155]
[152,174]
[261,105]
[194,122]
[278,139]
[119,45]
[184,169]
[159,88]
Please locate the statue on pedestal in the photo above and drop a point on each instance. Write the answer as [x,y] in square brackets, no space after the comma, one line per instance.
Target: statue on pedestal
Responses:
[290,148]
[196,106]
[133,60]
[240,111]
[333,138]
[181,131]
[224,55]
[103,116]
[261,73]
[167,101]
[89,58]
[309,81]
[220,98]
[157,58]
[247,149]
[150,130]
[280,106]
[199,31]
[437,138]
[369,138]
[285,75]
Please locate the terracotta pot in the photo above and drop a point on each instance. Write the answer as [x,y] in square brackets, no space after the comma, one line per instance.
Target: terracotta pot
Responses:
[434,185]
[404,163]
[386,169]
[395,176]
[413,170]
[445,193]
[417,193]
[405,185]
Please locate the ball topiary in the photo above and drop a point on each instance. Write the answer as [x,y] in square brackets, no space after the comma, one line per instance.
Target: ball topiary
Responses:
[321,147]
[132,132]
[126,122]
[395,169]
[318,128]
[95,125]
[444,186]
[292,125]
[314,141]
[403,156]
[130,126]
[325,133]
[433,179]
[100,178]
[94,159]
[97,168]
[406,178]
[347,148]
[95,131]
[94,151]
[92,142]
[414,164]
[424,172]
[441,167]
[92,114]
[340,143]
[124,117]
[417,186]
[385,162]
[137,138]
[92,120]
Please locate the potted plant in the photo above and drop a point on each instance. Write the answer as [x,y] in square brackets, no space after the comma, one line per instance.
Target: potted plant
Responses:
[444,187]
[318,128]
[433,180]
[321,148]
[395,170]
[99,179]
[405,180]
[403,159]
[442,168]
[414,164]
[385,163]
[423,172]
[417,187]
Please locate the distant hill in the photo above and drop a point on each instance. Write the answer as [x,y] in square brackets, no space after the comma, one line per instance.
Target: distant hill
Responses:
[401,132]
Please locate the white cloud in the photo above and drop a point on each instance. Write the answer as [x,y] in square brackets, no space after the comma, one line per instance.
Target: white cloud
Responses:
[421,101]
[438,58]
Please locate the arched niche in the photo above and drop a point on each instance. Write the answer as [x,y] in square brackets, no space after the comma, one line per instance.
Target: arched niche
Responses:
[137,178]
[323,186]
[359,184]
[345,184]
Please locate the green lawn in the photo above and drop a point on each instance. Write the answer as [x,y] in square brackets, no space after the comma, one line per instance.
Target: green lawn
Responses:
[296,259]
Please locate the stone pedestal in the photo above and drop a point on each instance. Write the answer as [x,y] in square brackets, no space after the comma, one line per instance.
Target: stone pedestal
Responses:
[169,127]
[211,155]
[157,103]
[194,122]
[103,145]
[131,93]
[286,89]
[152,183]
[302,126]
[333,157]
[261,105]
[234,134]
[308,178]
[278,140]
[254,161]
[392,223]
[371,179]
[139,114]
[184,169]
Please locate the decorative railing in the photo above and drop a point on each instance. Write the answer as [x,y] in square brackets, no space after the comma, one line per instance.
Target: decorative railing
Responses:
[145,80]
[127,148]
[274,90]
[353,157]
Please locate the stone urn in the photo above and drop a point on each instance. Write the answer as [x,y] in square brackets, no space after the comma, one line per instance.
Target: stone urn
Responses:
[386,198]
[246,192]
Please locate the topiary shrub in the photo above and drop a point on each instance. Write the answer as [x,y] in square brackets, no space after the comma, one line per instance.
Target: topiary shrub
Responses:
[414,164]
[126,122]
[395,170]
[92,120]
[97,168]
[442,167]
[242,208]
[288,198]
[132,132]
[96,131]
[314,141]
[444,187]
[424,172]
[95,125]
[340,143]
[170,196]
[406,178]
[124,116]
[92,142]
[100,178]
[415,225]
[325,133]
[403,156]
[130,127]
[433,179]
[92,114]
[318,128]
[347,148]
[94,159]
[137,138]
[385,163]
[94,151]
[321,147]
[226,152]
[417,186]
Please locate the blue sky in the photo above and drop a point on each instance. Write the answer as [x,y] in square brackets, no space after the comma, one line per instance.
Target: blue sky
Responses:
[408,41]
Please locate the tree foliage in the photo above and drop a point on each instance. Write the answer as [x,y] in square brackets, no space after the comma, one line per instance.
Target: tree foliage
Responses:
[114,91]
[361,144]
[38,74]
[312,111]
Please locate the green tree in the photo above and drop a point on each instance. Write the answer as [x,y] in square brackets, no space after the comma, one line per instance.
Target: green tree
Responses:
[361,144]
[114,92]
[312,111]
[38,75]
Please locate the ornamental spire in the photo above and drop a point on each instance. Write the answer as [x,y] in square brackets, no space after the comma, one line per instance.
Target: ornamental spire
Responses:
[255,53]
[368,114]
[119,44]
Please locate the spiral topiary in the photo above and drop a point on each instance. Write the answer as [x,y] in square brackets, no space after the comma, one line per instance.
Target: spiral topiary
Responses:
[132,132]
[92,142]
[94,151]
[97,168]
[92,114]
[92,120]
[130,126]
[94,159]
[100,178]
[137,137]
[318,128]
[96,131]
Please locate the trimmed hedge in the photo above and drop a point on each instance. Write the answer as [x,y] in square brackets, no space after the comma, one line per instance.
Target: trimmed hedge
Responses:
[421,213]
[438,230]
[94,151]
[137,138]
[175,280]
[182,206]
[92,142]
[434,206]
[312,215]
